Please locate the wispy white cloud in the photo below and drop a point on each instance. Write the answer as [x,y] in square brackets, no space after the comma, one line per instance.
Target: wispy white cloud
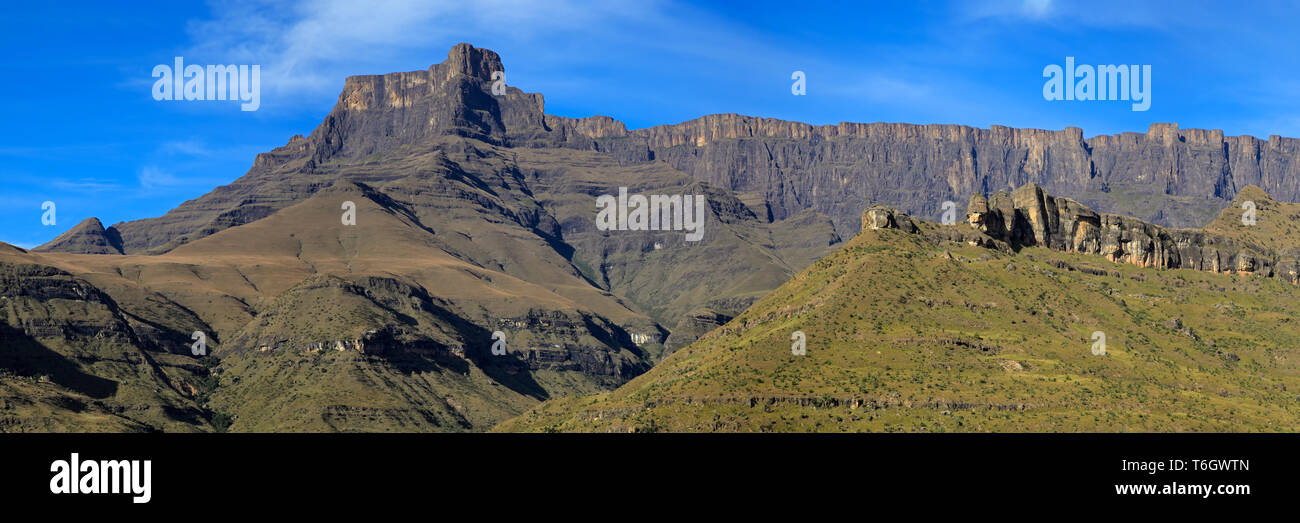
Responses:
[86,185]
[1036,8]
[557,47]
[46,151]
[152,177]
[1003,9]
[192,147]
[191,153]
[880,89]
[310,46]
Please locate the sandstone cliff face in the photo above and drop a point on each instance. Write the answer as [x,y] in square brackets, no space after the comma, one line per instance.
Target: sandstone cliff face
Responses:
[1178,177]
[380,112]
[556,340]
[1028,217]
[693,325]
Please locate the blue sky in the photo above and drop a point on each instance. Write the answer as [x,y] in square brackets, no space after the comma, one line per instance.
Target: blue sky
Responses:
[84,132]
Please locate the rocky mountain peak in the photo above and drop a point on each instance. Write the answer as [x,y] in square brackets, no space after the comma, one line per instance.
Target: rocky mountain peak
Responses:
[88,237]
[465,59]
[378,113]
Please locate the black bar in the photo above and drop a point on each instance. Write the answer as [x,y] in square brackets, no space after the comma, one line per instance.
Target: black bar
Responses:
[356,470]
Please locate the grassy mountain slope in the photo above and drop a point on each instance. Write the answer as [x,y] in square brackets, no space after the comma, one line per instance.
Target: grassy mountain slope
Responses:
[298,305]
[908,335]
[1276,226]
[73,359]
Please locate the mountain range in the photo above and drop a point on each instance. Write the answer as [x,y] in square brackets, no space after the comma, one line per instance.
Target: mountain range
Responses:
[473,225]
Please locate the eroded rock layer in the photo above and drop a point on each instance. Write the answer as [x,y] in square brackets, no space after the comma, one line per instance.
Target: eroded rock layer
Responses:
[1029,217]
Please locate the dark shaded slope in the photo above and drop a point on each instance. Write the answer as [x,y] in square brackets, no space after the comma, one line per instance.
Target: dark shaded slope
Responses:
[72,359]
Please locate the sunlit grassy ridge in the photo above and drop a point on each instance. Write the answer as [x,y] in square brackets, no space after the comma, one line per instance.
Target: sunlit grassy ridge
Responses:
[1276,226]
[906,335]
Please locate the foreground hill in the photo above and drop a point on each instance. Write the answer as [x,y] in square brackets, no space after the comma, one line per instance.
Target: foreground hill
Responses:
[72,358]
[988,325]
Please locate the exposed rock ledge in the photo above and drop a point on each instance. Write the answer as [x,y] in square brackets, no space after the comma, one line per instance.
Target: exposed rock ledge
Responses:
[1029,217]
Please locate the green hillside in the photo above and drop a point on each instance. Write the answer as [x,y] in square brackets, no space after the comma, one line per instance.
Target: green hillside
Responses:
[1276,226]
[908,334]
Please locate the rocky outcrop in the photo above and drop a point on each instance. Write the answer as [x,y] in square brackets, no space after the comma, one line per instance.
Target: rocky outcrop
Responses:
[695,324]
[560,340]
[88,237]
[1029,217]
[588,359]
[591,126]
[879,217]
